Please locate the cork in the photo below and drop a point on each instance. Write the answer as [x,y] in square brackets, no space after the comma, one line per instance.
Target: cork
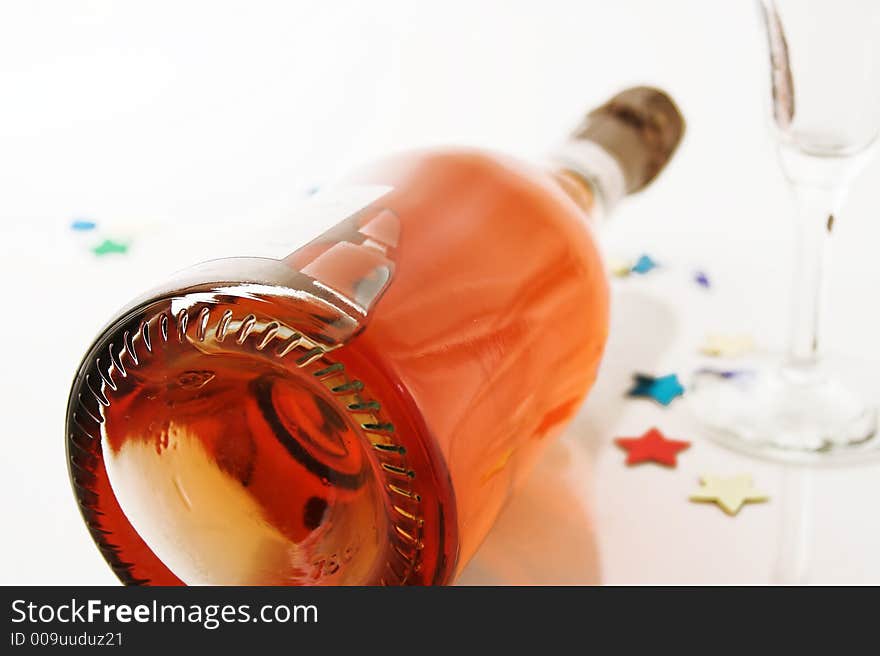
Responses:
[640,127]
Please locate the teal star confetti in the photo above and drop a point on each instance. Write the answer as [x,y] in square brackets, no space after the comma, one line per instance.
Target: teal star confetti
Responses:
[662,389]
[82,225]
[644,264]
[108,246]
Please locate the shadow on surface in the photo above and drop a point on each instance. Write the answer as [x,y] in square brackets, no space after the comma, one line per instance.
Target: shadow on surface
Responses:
[546,533]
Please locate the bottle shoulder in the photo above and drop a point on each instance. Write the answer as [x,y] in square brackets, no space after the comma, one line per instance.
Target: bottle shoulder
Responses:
[467,169]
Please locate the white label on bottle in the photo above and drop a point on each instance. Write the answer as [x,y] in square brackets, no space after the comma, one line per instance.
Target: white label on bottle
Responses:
[596,165]
[273,238]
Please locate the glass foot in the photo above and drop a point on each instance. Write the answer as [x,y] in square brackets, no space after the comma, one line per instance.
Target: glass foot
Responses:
[770,410]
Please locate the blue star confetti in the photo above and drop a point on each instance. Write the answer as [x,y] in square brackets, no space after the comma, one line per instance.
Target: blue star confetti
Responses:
[644,264]
[82,225]
[662,389]
[702,279]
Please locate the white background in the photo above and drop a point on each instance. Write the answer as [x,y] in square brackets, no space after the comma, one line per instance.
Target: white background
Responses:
[141,115]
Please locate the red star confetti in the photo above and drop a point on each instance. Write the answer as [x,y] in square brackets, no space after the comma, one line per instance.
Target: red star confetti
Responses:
[653,446]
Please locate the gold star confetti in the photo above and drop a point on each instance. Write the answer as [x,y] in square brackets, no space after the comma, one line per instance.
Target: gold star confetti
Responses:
[729,493]
[621,268]
[727,346]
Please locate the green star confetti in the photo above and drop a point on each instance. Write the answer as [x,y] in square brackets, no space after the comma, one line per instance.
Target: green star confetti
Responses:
[108,247]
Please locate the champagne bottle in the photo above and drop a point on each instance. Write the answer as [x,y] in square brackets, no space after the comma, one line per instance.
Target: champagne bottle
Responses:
[358,409]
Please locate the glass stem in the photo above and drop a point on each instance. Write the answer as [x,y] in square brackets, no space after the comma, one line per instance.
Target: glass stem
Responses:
[794,549]
[815,222]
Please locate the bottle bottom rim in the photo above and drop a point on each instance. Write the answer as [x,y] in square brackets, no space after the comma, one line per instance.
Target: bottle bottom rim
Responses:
[289,474]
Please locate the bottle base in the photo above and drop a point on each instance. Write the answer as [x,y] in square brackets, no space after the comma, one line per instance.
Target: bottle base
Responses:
[212,443]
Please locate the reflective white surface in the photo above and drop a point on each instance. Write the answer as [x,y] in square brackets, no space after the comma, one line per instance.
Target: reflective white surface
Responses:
[202,113]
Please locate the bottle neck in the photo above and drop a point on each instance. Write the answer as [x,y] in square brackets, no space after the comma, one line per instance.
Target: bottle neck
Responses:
[621,146]
[590,175]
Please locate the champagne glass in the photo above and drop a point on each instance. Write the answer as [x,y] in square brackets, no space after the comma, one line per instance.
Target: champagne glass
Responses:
[802,406]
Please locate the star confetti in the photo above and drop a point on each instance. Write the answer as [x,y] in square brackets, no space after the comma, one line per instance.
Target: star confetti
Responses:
[729,493]
[109,246]
[82,225]
[663,389]
[621,268]
[702,279]
[644,264]
[652,446]
[726,374]
[727,346]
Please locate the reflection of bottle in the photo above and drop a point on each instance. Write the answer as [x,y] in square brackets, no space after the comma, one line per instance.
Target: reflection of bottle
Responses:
[358,411]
